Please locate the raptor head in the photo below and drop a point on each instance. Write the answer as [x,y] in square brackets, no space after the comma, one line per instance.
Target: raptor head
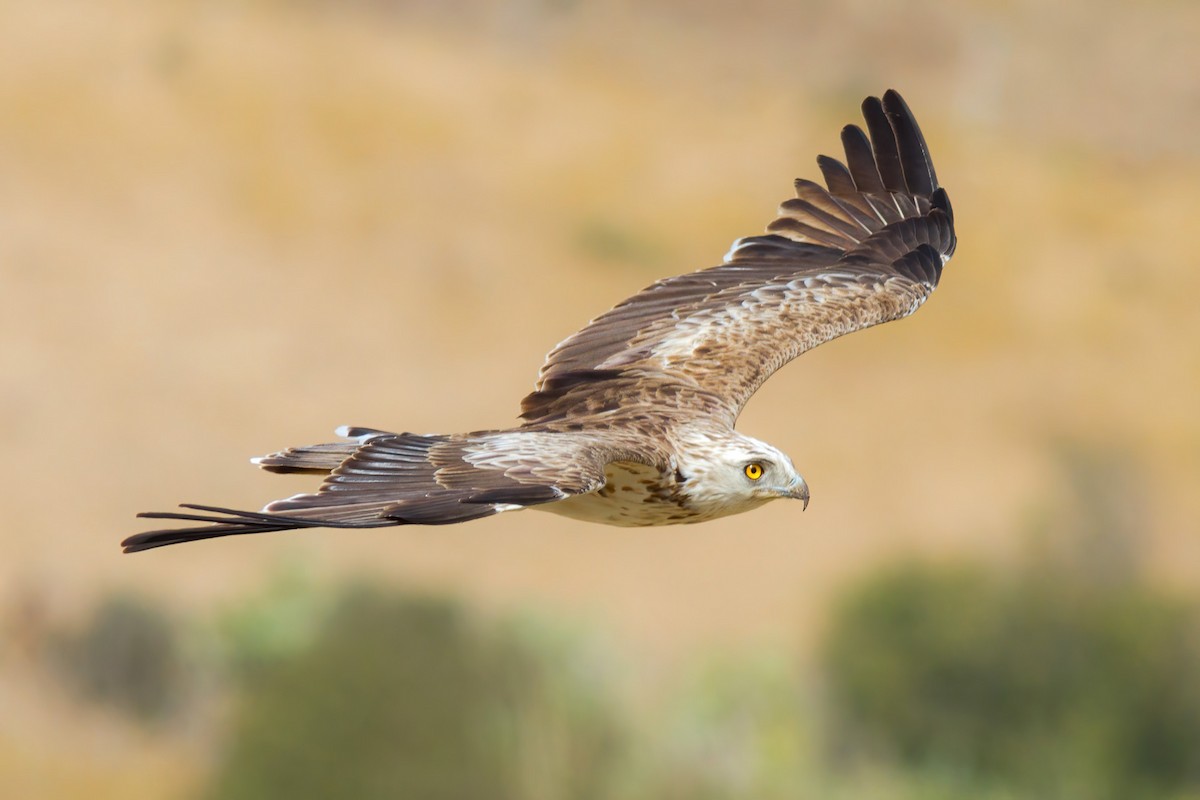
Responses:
[734,473]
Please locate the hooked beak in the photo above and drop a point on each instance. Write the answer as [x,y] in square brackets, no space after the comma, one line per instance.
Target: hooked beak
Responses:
[798,491]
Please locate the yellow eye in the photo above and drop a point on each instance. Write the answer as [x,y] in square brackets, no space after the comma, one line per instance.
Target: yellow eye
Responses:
[754,470]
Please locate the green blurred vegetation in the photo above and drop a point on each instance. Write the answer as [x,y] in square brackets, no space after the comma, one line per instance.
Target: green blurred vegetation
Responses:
[1071,676]
[277,623]
[402,696]
[936,681]
[1040,681]
[389,701]
[127,655]
[1067,676]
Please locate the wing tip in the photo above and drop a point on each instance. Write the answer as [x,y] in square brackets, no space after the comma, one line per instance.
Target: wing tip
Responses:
[893,98]
[897,149]
[915,160]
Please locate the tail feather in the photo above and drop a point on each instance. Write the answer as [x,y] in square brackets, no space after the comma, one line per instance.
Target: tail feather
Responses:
[230,522]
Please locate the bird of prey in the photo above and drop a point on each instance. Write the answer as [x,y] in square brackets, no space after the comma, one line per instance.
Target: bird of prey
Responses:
[631,421]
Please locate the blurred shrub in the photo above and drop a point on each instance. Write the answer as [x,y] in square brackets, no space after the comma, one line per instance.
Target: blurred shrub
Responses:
[1045,682]
[127,655]
[277,622]
[564,735]
[737,728]
[400,696]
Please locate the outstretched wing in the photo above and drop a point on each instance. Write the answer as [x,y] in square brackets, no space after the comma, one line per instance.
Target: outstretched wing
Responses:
[867,248]
[379,479]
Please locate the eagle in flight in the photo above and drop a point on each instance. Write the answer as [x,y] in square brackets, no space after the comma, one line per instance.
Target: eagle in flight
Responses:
[631,421]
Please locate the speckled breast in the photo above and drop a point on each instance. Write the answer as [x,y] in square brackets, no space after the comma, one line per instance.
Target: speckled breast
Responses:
[635,495]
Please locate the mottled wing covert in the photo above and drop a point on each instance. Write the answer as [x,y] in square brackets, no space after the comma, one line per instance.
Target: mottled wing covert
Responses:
[866,248]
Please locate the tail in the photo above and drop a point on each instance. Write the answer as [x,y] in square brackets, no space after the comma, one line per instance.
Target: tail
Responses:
[376,479]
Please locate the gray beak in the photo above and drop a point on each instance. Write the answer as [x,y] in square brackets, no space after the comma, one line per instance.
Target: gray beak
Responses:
[799,491]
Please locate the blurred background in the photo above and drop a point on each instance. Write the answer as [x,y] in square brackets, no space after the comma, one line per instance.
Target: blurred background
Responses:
[228,226]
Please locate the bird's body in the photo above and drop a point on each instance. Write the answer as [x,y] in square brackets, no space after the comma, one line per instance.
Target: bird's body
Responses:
[632,419]
[688,483]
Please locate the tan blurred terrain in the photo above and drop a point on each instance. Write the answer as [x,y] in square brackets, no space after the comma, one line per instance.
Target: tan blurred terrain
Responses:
[229,227]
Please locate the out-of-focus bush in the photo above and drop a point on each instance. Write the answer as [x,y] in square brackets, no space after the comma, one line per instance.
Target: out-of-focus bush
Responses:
[565,735]
[736,728]
[401,696]
[127,655]
[1072,676]
[1042,681]
[276,622]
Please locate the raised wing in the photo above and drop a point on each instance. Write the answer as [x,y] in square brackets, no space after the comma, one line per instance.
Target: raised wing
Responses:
[867,248]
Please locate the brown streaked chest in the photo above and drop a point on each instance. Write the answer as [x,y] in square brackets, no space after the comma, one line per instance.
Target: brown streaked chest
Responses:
[634,495]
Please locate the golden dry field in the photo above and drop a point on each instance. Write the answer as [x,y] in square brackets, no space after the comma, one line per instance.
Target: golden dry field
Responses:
[227,227]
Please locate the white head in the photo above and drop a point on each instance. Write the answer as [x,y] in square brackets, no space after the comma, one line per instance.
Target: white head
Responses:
[734,473]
